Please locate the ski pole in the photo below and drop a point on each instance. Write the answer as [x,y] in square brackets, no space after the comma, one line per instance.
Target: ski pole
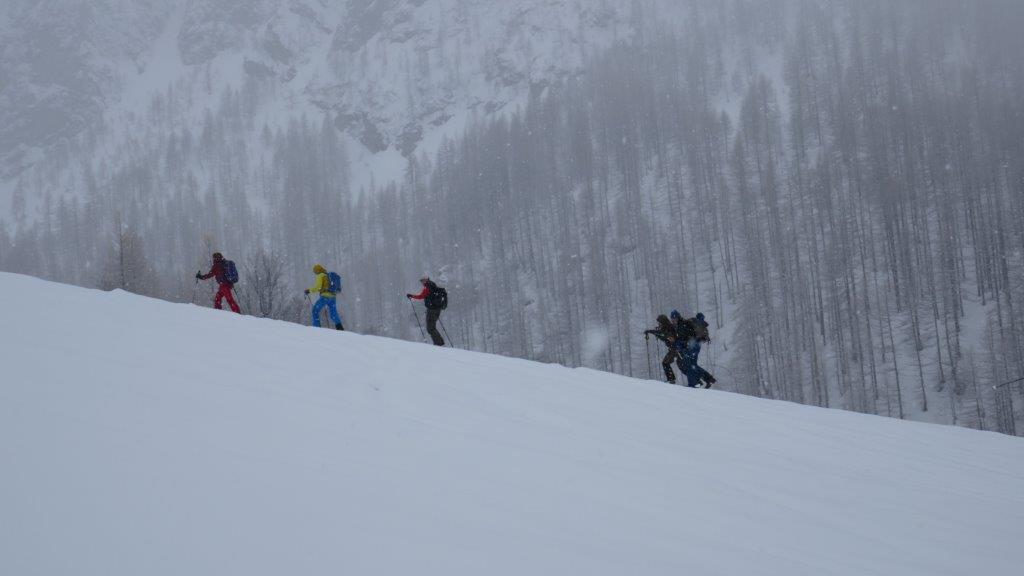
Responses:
[445,330]
[415,315]
[650,368]
[194,286]
[998,386]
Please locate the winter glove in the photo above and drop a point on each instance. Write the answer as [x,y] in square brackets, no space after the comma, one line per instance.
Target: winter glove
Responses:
[408,296]
[306,292]
[199,275]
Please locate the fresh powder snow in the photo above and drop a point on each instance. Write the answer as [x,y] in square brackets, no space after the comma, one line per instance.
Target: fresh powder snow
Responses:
[143,437]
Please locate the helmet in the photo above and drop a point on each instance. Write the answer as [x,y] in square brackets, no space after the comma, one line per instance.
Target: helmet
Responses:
[676,315]
[700,316]
[425,279]
[218,256]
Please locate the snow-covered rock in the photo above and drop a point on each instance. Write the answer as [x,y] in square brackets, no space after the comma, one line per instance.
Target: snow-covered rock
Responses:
[396,75]
[60,67]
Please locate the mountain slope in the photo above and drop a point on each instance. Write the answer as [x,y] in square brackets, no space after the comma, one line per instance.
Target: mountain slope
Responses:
[140,436]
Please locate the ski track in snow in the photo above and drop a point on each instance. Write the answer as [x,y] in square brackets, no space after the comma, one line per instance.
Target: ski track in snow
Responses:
[143,437]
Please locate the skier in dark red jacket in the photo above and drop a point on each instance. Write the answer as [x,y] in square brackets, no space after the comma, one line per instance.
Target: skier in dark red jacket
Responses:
[219,271]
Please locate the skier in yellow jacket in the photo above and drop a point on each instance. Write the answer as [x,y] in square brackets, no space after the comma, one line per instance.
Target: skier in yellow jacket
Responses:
[327,285]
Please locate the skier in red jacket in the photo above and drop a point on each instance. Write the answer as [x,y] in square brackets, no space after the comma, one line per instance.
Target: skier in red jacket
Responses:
[218,271]
[433,305]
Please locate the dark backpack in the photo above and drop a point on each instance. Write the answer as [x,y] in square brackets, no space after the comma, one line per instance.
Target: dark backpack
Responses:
[230,272]
[700,331]
[437,299]
[335,282]
[686,331]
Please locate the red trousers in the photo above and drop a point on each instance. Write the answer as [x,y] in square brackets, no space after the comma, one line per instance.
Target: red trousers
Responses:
[225,292]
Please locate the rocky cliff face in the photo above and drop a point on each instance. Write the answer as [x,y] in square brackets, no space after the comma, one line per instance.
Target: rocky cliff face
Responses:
[393,74]
[404,68]
[61,67]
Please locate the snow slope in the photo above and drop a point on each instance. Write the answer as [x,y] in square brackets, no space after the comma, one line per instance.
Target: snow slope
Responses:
[142,437]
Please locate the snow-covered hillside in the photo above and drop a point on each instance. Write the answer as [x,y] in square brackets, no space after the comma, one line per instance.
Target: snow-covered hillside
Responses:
[142,437]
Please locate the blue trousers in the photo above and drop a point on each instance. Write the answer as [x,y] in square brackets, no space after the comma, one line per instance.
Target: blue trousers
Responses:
[332,309]
[693,373]
[687,363]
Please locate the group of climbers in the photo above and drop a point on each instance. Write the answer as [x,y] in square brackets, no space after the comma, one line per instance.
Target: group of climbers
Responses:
[683,337]
[326,286]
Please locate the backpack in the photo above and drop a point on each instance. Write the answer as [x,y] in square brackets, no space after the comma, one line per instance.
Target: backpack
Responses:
[686,330]
[700,331]
[437,299]
[230,272]
[335,282]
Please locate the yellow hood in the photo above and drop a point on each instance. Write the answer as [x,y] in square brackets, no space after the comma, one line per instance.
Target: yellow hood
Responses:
[318,269]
